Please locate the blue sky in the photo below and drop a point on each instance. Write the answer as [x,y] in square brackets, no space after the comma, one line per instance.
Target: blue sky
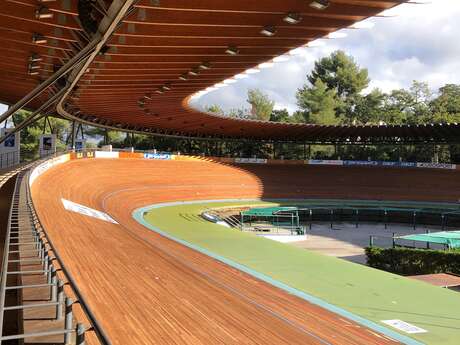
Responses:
[415,42]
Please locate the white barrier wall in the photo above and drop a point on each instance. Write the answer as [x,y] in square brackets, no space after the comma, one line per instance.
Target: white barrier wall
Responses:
[106,154]
[41,168]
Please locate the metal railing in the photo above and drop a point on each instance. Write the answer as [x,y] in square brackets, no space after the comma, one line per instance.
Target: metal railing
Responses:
[9,159]
[55,274]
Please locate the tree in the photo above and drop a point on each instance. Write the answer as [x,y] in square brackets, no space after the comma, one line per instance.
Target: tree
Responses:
[318,103]
[341,73]
[408,106]
[112,137]
[422,97]
[369,108]
[280,116]
[261,105]
[446,106]
[31,134]
[214,108]
[239,113]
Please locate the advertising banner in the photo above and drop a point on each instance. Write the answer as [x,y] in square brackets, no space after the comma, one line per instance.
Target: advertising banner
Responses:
[106,154]
[251,160]
[407,164]
[436,166]
[361,163]
[325,162]
[161,156]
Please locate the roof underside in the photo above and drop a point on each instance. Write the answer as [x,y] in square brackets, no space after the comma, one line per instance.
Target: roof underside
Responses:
[161,40]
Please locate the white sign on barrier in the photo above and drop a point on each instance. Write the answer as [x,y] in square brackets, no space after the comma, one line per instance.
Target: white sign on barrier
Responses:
[106,154]
[324,162]
[251,160]
[404,326]
[436,166]
[74,207]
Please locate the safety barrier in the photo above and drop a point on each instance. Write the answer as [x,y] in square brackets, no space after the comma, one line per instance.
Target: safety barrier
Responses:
[238,160]
[26,235]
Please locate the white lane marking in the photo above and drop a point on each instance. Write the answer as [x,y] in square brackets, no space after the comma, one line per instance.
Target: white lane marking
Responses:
[74,207]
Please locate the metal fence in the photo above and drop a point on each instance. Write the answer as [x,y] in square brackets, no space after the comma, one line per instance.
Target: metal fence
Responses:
[9,159]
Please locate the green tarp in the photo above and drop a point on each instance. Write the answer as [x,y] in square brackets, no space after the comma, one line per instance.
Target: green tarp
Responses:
[266,211]
[449,238]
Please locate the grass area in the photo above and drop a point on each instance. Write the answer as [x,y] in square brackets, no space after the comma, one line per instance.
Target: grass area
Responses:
[369,293]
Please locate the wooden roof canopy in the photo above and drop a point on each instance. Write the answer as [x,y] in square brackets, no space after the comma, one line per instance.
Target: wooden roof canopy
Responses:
[163,51]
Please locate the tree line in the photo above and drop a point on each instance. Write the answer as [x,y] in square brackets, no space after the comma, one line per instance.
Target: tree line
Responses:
[335,92]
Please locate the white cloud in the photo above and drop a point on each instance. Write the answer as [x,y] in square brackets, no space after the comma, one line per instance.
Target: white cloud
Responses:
[419,42]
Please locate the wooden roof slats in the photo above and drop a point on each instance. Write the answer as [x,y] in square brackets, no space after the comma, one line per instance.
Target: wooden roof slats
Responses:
[155,45]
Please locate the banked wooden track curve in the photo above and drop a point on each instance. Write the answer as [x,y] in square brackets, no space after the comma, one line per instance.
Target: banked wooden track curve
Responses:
[146,289]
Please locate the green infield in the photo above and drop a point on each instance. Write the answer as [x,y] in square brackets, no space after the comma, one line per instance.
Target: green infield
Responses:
[366,295]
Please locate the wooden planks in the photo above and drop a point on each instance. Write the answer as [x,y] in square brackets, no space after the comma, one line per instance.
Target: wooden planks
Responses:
[146,289]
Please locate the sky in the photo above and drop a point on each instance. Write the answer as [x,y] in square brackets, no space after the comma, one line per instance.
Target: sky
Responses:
[413,42]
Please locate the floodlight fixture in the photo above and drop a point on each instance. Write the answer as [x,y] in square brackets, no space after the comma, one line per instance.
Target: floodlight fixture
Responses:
[293,18]
[268,30]
[35,58]
[205,65]
[183,77]
[194,72]
[231,50]
[43,13]
[34,66]
[39,39]
[320,4]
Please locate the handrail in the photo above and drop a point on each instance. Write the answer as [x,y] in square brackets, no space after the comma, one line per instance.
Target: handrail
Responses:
[4,272]
[97,328]
[47,246]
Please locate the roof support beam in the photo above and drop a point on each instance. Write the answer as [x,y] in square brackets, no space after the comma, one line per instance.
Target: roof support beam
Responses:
[35,116]
[50,81]
[115,14]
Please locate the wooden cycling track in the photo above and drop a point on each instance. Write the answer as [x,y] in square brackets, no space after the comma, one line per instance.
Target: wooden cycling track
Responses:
[146,289]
